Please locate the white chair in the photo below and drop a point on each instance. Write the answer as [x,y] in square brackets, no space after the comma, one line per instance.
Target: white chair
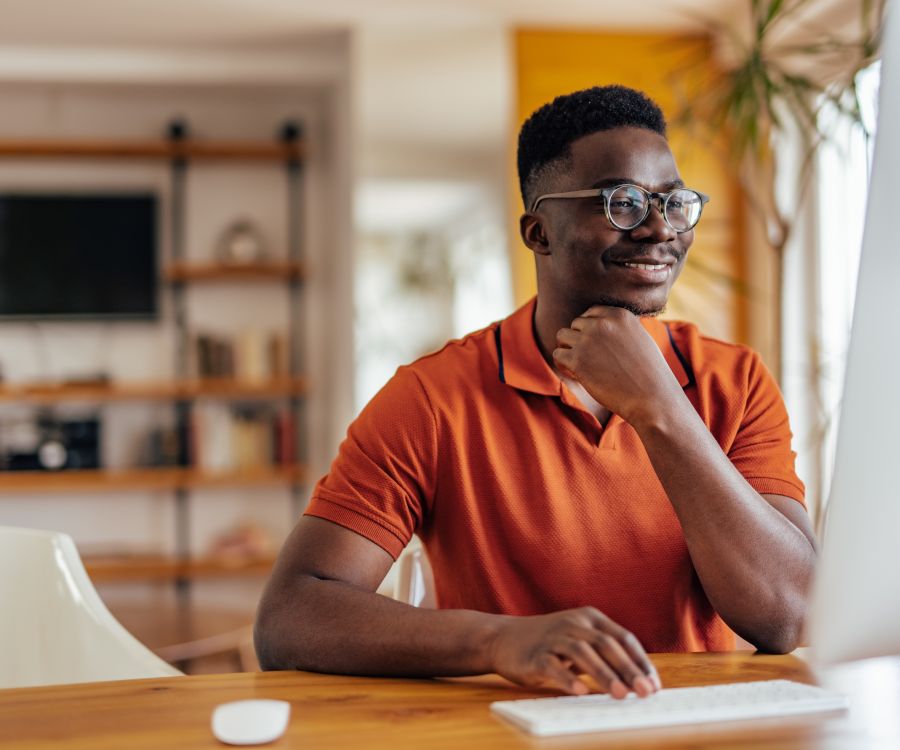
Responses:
[415,579]
[54,628]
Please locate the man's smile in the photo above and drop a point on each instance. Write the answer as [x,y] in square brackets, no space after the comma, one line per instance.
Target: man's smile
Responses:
[644,270]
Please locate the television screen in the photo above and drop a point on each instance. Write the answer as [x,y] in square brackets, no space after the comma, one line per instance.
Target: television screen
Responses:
[78,256]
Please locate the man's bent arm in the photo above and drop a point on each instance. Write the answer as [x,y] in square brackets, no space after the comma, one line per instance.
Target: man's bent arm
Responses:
[754,555]
[320,613]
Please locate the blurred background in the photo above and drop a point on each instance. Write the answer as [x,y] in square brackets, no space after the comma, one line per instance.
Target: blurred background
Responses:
[225,223]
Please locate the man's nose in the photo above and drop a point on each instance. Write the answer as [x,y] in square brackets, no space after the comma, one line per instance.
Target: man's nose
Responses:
[654,228]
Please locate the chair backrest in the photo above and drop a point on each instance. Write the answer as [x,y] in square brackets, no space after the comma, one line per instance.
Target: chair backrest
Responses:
[54,628]
[415,579]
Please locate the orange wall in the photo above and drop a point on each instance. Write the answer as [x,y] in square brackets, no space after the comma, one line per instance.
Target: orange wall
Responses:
[553,62]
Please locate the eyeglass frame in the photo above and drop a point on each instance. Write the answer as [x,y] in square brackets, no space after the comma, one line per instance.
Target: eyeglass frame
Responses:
[605,193]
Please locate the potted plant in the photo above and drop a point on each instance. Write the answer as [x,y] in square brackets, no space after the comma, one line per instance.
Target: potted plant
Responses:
[778,73]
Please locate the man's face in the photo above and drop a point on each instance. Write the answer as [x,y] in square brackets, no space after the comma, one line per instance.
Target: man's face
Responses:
[589,261]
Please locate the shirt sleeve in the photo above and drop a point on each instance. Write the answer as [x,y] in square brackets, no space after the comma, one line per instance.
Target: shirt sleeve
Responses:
[761,450]
[382,481]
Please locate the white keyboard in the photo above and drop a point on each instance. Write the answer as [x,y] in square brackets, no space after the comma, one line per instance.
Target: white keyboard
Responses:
[545,717]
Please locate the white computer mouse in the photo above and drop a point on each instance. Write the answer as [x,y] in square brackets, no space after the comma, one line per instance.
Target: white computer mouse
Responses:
[252,722]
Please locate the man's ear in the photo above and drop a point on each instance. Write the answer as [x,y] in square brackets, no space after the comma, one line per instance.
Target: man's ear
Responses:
[531,227]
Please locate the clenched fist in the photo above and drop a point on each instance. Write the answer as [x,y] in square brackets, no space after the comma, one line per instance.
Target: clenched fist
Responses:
[610,353]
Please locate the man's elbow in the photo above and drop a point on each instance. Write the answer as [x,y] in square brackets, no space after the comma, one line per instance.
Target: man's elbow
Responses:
[781,634]
[782,641]
[280,638]
[270,652]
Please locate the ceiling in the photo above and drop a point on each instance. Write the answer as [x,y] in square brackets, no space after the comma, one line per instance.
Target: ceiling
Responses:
[432,79]
[176,22]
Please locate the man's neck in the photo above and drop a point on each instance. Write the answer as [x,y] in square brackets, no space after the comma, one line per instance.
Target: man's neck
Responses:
[549,318]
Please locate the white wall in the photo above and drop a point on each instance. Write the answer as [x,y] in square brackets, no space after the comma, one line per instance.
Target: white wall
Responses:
[434,129]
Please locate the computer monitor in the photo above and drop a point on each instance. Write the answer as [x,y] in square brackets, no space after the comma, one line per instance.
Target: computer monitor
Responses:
[855,610]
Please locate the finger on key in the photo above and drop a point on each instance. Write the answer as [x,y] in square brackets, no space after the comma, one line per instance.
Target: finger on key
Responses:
[636,651]
[612,652]
[586,657]
[632,646]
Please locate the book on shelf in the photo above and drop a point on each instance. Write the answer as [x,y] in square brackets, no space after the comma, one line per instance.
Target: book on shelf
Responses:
[253,356]
[285,438]
[215,357]
[233,438]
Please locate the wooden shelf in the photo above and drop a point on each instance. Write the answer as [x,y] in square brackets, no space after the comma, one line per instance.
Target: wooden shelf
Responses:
[183,630]
[151,149]
[262,271]
[103,480]
[221,388]
[117,568]
[227,388]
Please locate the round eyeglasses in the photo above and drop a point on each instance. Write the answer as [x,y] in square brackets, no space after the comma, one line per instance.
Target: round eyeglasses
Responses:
[628,206]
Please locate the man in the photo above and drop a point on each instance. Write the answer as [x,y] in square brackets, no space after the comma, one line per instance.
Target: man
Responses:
[589,482]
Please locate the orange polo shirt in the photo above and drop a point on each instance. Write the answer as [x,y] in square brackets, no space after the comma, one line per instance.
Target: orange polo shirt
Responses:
[526,504]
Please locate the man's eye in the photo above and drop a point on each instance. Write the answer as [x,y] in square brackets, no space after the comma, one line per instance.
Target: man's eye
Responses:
[621,203]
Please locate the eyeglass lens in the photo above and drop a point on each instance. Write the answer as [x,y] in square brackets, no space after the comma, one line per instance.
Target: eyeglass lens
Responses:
[628,206]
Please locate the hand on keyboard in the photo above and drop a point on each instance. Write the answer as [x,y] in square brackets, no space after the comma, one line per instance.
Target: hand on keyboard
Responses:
[554,649]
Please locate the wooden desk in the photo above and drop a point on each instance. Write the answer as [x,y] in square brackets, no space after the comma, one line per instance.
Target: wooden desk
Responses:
[353,712]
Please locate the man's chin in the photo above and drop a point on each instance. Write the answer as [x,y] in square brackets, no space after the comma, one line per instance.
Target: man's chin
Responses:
[642,311]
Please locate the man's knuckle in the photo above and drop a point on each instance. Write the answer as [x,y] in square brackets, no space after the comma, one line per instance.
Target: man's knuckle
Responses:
[577,647]
[581,617]
[606,325]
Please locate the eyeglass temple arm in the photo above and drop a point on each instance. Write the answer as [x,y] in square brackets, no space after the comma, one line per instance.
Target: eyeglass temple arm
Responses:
[704,198]
[575,194]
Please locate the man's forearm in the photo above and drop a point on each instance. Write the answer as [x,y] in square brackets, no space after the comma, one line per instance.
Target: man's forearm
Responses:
[754,563]
[346,630]
[329,626]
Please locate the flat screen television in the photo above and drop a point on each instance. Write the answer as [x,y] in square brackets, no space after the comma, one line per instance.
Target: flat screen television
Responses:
[78,256]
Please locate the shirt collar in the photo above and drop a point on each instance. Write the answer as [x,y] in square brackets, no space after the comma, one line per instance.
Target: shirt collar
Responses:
[522,366]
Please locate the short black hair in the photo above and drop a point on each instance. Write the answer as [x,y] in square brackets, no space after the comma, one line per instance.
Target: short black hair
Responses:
[547,135]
